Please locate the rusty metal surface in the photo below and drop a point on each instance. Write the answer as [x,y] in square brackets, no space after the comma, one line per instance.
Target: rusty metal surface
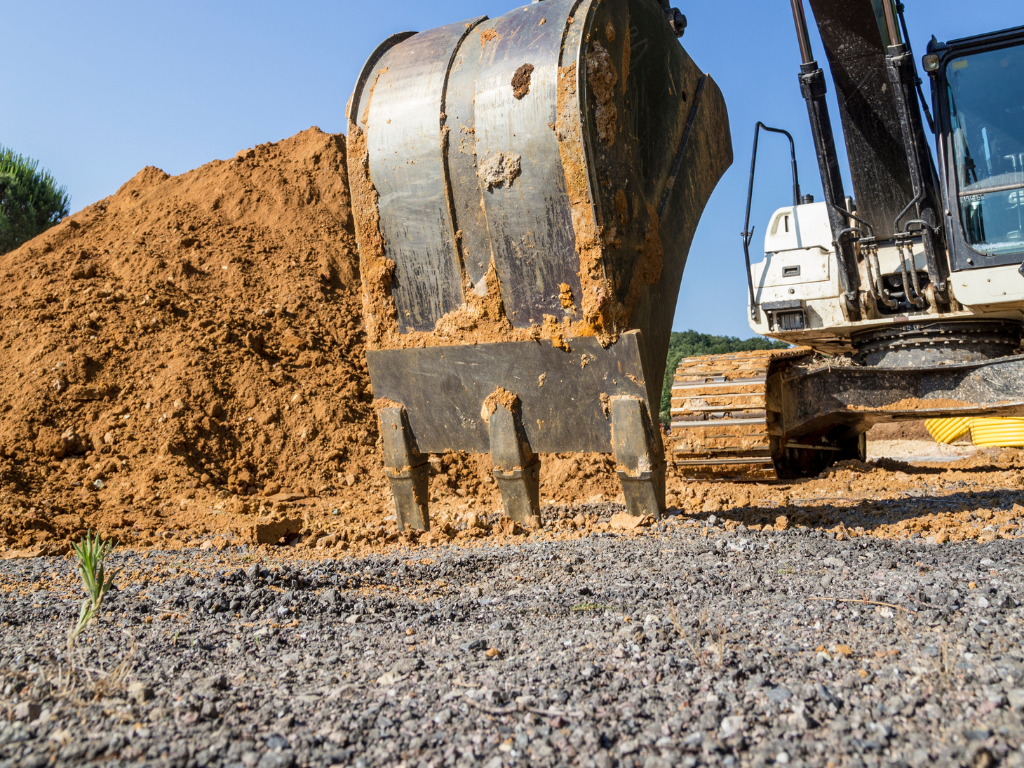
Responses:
[444,389]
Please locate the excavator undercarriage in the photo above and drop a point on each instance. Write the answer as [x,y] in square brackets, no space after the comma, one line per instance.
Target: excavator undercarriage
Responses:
[905,300]
[786,414]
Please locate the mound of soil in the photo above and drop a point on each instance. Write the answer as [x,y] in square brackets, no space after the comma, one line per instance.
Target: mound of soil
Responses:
[188,339]
[899,430]
[187,355]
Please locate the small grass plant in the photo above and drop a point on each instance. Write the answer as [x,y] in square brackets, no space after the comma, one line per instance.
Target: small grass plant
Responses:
[91,554]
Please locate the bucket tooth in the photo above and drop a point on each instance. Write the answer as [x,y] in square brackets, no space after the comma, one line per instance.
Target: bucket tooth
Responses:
[406,470]
[639,458]
[516,467]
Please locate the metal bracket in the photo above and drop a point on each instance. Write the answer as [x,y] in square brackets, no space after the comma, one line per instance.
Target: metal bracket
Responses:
[406,470]
[516,467]
[640,458]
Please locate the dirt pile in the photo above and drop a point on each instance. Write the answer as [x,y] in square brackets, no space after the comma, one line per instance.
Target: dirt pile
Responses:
[186,357]
[185,344]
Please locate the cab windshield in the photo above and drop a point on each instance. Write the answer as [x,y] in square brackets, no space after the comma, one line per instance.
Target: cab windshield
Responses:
[986,101]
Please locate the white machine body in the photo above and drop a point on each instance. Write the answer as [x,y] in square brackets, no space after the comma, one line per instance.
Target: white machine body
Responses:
[798,298]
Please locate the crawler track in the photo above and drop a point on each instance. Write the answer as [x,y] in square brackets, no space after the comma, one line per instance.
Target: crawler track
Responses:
[722,416]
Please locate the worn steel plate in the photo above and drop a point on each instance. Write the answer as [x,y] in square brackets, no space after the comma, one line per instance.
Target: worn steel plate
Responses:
[530,220]
[444,388]
[407,168]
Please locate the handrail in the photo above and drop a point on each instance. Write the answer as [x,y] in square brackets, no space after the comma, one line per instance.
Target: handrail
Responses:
[748,234]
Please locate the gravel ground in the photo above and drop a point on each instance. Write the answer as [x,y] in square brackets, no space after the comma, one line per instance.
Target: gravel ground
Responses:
[670,647]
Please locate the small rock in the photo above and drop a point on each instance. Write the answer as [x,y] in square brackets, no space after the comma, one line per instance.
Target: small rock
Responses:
[277,741]
[355,618]
[731,726]
[214,683]
[139,692]
[778,695]
[1015,697]
[443,717]
[272,530]
[276,760]
[27,710]
[833,562]
[328,541]
[798,722]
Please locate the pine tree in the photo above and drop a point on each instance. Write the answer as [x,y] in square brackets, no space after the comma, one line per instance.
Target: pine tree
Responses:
[30,200]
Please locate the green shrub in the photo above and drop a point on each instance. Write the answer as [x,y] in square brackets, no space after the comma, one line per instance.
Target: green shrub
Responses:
[30,200]
[693,344]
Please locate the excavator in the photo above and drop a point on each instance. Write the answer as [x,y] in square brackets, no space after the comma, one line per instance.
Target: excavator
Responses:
[903,300]
[525,191]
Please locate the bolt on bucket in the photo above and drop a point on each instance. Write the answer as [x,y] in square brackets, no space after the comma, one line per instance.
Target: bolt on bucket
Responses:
[525,191]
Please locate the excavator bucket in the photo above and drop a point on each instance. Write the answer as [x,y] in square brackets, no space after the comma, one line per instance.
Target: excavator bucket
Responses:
[525,191]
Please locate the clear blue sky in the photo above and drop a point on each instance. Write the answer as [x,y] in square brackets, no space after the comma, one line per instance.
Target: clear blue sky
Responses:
[98,90]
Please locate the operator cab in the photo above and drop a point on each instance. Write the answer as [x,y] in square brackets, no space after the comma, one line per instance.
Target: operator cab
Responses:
[978,94]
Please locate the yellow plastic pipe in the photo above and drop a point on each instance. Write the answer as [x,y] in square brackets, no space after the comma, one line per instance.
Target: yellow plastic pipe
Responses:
[946,431]
[998,433]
